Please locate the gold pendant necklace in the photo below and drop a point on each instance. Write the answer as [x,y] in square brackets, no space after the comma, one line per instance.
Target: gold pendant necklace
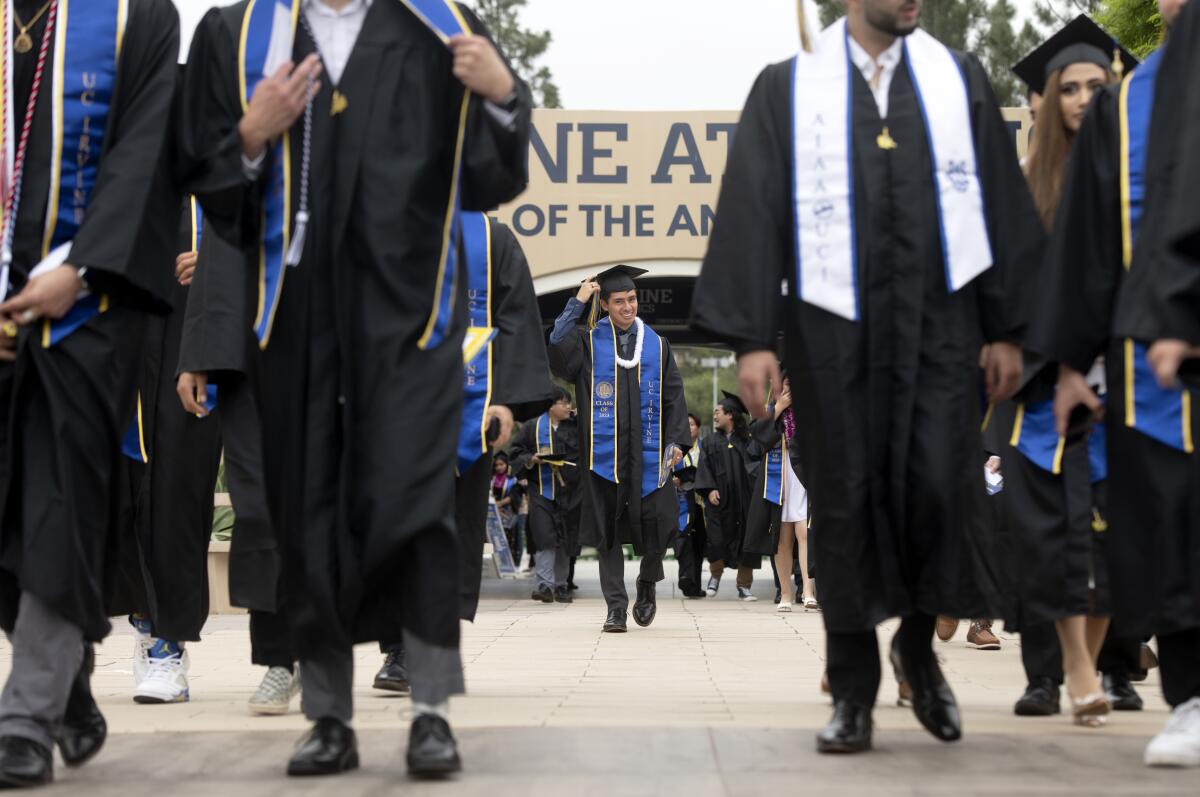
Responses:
[337,103]
[885,141]
[24,42]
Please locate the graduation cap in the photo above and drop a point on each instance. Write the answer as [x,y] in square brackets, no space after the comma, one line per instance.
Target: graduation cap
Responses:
[613,280]
[733,403]
[1080,41]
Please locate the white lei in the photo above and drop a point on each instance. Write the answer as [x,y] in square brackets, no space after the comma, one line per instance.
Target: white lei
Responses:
[634,361]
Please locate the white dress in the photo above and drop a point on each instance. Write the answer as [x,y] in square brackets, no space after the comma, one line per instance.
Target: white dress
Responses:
[795,497]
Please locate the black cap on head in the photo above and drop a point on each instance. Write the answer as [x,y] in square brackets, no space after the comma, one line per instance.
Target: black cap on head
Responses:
[1080,41]
[618,278]
[732,403]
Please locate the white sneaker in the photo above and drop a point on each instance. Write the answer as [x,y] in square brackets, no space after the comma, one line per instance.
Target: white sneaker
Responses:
[784,606]
[165,681]
[275,693]
[141,657]
[745,595]
[714,584]
[1179,743]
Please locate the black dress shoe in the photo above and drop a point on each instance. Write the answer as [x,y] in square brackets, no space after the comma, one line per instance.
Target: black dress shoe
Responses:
[615,624]
[393,675]
[849,731]
[563,595]
[933,702]
[1121,693]
[645,607]
[1042,698]
[83,729]
[571,585]
[543,594]
[24,763]
[329,748]
[432,751]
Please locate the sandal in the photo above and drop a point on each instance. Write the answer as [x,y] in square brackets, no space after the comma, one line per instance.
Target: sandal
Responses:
[811,605]
[1090,710]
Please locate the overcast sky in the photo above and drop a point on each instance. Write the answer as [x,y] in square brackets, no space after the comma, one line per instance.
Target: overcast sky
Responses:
[650,54]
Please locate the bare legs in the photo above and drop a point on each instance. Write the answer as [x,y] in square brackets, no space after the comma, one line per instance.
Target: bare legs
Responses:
[1081,638]
[792,534]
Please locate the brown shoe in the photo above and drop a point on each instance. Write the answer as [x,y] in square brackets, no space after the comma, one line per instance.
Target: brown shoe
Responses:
[904,695]
[947,627]
[980,635]
[825,690]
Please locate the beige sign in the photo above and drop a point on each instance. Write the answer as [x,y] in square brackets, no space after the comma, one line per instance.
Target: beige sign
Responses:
[615,187]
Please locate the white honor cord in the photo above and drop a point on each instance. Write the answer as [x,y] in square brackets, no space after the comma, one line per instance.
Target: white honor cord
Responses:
[296,248]
[637,349]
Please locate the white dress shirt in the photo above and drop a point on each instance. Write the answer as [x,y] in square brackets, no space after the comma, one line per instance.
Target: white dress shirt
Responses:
[886,66]
[335,32]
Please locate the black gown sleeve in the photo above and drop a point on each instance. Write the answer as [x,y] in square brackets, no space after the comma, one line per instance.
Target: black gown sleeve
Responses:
[520,367]
[737,298]
[217,333]
[495,157]
[1083,266]
[128,235]
[765,432]
[1008,291]
[522,449]
[706,475]
[675,413]
[209,149]
[566,356]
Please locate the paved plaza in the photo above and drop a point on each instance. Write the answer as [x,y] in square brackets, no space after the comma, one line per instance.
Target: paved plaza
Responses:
[716,698]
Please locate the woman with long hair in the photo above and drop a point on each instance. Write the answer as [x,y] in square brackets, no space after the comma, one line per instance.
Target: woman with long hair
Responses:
[1055,485]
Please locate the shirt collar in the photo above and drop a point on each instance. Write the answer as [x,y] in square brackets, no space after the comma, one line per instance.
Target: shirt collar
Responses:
[352,7]
[888,59]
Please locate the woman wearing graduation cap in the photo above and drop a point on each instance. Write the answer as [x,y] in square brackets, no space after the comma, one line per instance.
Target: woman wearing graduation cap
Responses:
[1108,241]
[723,481]
[633,429]
[1055,487]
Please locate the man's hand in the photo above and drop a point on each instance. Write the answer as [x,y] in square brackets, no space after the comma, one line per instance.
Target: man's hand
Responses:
[48,295]
[277,103]
[535,460]
[755,369]
[587,289]
[1166,356]
[1073,390]
[505,416]
[480,68]
[714,497]
[193,392]
[8,339]
[1002,366]
[185,267]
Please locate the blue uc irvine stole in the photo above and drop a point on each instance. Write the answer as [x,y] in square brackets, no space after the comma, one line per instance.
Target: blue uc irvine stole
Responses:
[266,41]
[1164,415]
[477,346]
[1034,436]
[133,444]
[773,477]
[83,74]
[543,430]
[606,402]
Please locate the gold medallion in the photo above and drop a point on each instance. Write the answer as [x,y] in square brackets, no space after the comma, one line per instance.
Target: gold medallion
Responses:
[885,141]
[10,329]
[338,103]
[23,44]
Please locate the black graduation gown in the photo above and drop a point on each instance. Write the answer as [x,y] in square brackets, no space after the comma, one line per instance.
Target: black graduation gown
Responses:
[1153,539]
[615,514]
[888,407]
[764,518]
[692,543]
[60,454]
[348,396]
[520,380]
[548,521]
[163,558]
[724,467]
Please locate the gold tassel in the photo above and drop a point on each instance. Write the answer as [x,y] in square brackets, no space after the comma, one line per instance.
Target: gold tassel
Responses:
[594,311]
[1118,66]
[805,41]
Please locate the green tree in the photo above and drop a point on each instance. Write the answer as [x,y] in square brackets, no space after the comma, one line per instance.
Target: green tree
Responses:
[1053,14]
[522,46]
[1136,24]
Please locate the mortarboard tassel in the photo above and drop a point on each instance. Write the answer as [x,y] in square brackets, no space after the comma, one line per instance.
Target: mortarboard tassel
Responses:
[805,41]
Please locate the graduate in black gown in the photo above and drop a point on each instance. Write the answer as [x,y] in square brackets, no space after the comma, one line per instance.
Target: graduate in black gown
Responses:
[1111,238]
[91,256]
[546,453]
[350,167]
[723,483]
[883,346]
[691,543]
[169,474]
[627,497]
[506,380]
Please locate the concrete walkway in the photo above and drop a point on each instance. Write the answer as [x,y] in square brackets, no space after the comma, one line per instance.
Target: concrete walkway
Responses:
[716,698]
